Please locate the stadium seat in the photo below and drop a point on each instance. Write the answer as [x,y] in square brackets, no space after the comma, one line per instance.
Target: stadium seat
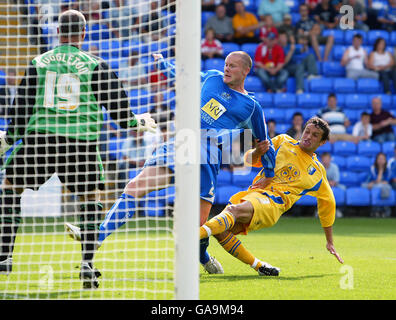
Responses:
[338,52]
[115,148]
[336,33]
[295,17]
[321,85]
[291,84]
[205,15]
[253,83]
[224,193]
[224,178]
[282,127]
[377,201]
[139,97]
[265,99]
[250,49]
[368,86]
[357,101]
[2,77]
[340,161]
[352,115]
[368,148]
[278,115]
[307,200]
[132,173]
[388,148]
[243,178]
[349,179]
[327,147]
[348,35]
[229,47]
[392,39]
[285,100]
[373,35]
[333,69]
[309,100]
[214,64]
[358,197]
[339,195]
[344,85]
[344,148]
[358,163]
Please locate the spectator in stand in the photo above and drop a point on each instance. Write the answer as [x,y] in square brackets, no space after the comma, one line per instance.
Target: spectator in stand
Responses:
[325,15]
[392,169]
[276,8]
[287,25]
[387,16]
[381,61]
[359,14]
[355,59]
[7,92]
[337,120]
[269,62]
[245,25]
[382,122]
[363,128]
[122,17]
[133,74]
[299,60]
[296,129]
[332,170]
[210,46]
[312,5]
[307,26]
[153,27]
[271,127]
[379,177]
[221,24]
[267,27]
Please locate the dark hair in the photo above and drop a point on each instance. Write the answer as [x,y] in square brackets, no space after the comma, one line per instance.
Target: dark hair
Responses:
[295,114]
[71,23]
[324,154]
[332,95]
[376,159]
[376,43]
[364,113]
[320,124]
[358,35]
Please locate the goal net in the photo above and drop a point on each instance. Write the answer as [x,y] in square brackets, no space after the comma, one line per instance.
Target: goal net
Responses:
[68,144]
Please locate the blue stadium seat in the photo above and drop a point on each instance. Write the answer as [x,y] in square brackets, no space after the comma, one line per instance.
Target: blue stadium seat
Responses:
[340,161]
[339,195]
[250,5]
[333,69]
[278,115]
[321,85]
[291,84]
[282,127]
[115,148]
[224,178]
[295,17]
[253,83]
[344,85]
[327,147]
[348,35]
[336,33]
[139,97]
[338,52]
[205,15]
[385,98]
[358,197]
[229,47]
[344,148]
[349,179]
[285,100]
[224,193]
[368,86]
[372,36]
[358,163]
[352,115]
[309,100]
[392,39]
[132,173]
[250,49]
[388,148]
[368,148]
[377,201]
[265,99]
[2,77]
[357,101]
[307,200]
[214,64]
[362,176]
[243,178]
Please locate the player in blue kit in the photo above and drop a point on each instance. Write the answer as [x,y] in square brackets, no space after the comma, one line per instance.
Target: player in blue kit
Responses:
[225,106]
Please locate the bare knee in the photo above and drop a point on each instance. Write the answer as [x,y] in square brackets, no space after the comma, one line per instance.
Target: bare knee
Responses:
[242,212]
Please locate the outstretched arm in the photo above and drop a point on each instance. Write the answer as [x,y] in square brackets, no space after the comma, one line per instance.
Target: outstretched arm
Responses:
[330,246]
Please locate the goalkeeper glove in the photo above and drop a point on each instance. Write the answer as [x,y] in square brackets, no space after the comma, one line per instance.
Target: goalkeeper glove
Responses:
[145,123]
[4,146]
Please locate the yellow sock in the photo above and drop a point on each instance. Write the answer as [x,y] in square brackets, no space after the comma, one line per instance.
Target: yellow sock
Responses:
[234,247]
[217,224]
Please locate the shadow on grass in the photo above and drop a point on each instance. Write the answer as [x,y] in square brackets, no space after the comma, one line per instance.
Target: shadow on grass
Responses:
[255,277]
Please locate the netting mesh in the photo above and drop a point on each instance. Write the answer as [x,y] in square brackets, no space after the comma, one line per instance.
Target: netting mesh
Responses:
[74,141]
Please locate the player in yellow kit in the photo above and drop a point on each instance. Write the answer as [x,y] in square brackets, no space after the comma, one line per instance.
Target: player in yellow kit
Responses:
[297,172]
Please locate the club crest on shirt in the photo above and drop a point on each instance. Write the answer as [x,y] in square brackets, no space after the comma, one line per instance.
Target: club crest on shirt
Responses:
[226,96]
[311,170]
[214,109]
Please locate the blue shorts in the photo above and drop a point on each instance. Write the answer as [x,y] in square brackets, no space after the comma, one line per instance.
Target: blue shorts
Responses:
[164,156]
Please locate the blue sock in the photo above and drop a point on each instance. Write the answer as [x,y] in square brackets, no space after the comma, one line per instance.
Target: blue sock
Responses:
[203,254]
[120,212]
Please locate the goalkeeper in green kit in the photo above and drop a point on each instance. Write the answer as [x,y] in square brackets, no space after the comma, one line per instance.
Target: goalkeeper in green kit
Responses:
[57,113]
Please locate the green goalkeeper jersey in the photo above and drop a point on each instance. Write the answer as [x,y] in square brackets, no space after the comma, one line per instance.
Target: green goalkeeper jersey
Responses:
[71,87]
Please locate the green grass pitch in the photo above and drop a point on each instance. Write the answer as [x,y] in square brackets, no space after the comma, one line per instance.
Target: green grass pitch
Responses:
[140,265]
